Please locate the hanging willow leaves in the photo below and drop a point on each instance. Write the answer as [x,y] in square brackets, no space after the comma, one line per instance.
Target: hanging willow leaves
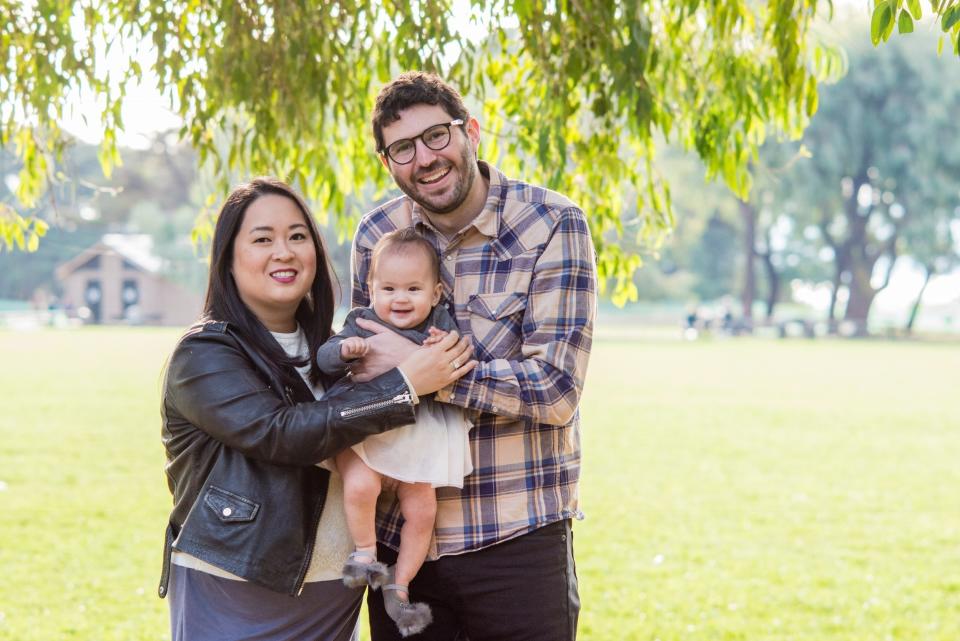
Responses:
[570,95]
[904,23]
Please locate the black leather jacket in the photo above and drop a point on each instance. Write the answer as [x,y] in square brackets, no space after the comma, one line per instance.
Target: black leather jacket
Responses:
[241,454]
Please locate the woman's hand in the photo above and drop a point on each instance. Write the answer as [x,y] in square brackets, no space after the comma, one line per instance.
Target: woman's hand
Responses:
[385,350]
[437,365]
[434,335]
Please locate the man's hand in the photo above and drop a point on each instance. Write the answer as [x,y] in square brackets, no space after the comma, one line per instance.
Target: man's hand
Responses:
[352,348]
[385,350]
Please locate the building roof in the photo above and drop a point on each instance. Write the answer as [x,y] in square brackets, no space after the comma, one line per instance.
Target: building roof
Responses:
[136,249]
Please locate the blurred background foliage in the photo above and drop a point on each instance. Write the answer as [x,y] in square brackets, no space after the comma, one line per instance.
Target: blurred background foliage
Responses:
[743,152]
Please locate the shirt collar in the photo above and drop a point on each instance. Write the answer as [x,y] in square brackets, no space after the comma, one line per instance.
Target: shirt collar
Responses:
[487,221]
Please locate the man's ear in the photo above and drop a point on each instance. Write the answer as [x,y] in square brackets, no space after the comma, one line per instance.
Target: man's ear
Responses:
[384,161]
[473,131]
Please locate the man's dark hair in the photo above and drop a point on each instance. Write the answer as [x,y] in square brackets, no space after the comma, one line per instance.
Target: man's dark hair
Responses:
[414,88]
[403,241]
[223,302]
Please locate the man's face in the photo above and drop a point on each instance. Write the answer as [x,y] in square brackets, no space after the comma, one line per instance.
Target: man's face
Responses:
[438,180]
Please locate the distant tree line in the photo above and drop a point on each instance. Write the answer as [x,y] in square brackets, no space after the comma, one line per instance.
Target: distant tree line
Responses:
[871,182]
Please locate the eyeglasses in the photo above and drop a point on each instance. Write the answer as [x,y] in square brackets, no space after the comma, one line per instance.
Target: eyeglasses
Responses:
[436,138]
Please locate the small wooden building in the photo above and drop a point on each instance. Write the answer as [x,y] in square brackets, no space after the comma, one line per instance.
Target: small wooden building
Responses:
[119,281]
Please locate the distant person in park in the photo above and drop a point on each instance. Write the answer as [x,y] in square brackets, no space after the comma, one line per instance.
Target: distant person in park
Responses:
[257,535]
[404,285]
[518,272]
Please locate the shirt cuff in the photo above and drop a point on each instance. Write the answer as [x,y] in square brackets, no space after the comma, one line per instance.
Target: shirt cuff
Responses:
[413,394]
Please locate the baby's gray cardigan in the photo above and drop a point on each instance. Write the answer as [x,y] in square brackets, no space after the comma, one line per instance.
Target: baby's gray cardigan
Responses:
[328,356]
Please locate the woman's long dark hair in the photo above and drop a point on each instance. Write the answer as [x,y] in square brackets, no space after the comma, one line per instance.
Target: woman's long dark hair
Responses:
[223,302]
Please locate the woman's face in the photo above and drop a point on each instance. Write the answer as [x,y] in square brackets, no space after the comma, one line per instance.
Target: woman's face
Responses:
[274,260]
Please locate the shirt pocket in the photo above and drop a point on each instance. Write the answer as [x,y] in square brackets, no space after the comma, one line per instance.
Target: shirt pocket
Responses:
[230,507]
[496,322]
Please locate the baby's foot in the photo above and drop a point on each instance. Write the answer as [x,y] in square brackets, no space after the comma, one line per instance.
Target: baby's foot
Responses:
[411,618]
[362,568]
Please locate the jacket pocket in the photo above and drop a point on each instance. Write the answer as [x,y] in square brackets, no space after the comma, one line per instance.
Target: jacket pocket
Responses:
[230,507]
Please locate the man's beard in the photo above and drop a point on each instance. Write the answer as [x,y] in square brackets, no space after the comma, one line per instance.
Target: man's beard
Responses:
[467,174]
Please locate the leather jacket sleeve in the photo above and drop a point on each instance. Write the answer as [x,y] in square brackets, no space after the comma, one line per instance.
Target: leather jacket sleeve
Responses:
[213,385]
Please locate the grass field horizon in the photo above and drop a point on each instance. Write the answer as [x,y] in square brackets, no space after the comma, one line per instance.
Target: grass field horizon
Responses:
[736,489]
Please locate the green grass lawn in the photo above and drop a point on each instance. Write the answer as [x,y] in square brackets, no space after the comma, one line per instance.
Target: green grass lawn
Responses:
[739,489]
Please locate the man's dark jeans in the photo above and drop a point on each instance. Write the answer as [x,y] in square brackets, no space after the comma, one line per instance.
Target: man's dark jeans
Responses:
[524,589]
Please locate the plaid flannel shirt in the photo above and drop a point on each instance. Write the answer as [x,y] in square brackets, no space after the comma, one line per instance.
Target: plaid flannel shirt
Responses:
[521,280]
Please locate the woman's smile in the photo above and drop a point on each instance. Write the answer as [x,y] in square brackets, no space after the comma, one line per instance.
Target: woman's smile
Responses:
[284,276]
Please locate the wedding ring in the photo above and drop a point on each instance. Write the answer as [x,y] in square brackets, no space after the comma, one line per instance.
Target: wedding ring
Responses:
[455,364]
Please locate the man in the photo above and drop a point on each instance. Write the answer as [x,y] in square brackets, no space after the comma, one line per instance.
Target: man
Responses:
[519,276]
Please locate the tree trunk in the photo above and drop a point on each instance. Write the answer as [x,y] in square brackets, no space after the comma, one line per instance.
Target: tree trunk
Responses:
[832,310]
[860,263]
[839,265]
[928,274]
[773,283]
[858,309]
[749,251]
[862,293]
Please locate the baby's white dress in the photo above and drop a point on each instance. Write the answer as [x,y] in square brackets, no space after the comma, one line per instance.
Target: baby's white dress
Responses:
[435,449]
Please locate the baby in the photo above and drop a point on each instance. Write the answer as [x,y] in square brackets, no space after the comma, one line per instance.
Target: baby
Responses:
[404,285]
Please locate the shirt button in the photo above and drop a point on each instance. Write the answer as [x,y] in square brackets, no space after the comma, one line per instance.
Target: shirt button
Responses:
[451,397]
[450,256]
[227,511]
[494,409]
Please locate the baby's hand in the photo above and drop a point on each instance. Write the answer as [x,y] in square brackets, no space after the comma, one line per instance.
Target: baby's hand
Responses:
[352,348]
[436,335]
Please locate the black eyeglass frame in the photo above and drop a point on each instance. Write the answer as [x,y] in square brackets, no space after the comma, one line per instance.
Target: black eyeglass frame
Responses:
[457,122]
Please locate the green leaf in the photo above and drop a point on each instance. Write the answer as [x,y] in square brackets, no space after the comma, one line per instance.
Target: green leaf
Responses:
[878,23]
[905,23]
[812,100]
[940,46]
[914,7]
[888,23]
[951,17]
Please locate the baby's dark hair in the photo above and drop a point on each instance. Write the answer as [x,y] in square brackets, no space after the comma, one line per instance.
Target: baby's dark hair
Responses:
[403,241]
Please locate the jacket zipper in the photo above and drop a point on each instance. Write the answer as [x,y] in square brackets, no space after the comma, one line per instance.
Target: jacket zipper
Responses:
[373,408]
[302,579]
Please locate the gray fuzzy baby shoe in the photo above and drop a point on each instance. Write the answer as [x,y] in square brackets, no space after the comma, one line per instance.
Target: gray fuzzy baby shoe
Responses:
[357,573]
[411,618]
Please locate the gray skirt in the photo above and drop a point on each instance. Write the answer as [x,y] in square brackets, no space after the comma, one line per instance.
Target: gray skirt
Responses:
[204,607]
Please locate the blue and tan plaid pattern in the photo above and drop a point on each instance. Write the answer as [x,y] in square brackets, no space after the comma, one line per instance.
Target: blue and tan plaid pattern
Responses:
[521,280]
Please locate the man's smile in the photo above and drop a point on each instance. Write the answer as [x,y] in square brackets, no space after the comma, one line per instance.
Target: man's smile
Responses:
[434,176]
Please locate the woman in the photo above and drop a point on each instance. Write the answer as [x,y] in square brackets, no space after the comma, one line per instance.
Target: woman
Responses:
[255,520]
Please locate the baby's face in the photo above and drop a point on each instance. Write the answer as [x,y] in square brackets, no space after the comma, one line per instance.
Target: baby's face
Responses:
[404,289]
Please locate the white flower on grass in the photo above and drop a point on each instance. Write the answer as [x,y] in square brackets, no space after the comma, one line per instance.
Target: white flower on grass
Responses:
[3,488]
[658,560]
